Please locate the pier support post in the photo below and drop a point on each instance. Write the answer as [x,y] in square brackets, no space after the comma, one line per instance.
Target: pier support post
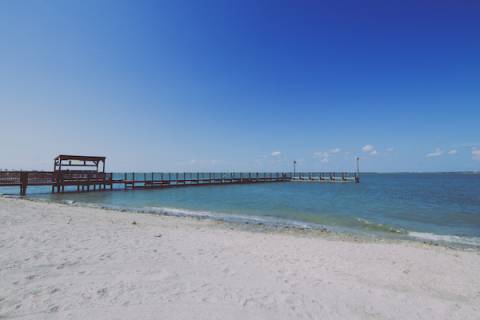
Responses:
[23,183]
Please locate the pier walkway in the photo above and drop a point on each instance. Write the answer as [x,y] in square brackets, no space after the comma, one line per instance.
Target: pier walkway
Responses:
[73,173]
[99,181]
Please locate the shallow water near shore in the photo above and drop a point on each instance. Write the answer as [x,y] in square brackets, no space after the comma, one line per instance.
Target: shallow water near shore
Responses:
[431,207]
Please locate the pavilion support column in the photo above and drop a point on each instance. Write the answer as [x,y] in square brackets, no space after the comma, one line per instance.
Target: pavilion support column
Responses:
[23,183]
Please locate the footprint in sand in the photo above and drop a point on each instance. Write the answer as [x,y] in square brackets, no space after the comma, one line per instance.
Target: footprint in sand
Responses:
[228,272]
[102,292]
[38,255]
[53,308]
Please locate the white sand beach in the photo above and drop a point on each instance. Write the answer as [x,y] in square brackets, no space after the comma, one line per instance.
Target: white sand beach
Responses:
[66,262]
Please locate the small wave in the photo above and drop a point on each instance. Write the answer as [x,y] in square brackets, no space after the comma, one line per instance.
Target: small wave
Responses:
[472,241]
[380,227]
[219,216]
[230,217]
[10,196]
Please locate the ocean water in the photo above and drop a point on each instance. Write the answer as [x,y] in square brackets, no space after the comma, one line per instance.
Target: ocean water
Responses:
[436,207]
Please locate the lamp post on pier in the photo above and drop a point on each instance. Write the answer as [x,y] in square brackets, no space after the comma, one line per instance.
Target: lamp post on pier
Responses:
[294,167]
[357,176]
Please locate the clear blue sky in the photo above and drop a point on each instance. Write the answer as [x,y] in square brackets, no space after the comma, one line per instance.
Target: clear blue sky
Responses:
[241,85]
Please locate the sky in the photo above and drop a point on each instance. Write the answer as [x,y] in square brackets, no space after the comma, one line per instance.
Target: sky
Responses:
[241,85]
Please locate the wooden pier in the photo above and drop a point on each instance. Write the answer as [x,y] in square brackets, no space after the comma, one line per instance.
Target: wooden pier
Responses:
[183,179]
[64,179]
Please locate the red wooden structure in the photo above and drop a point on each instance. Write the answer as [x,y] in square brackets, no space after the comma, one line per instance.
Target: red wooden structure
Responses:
[80,171]
[64,162]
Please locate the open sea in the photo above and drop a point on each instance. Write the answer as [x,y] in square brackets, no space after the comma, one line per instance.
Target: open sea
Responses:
[438,207]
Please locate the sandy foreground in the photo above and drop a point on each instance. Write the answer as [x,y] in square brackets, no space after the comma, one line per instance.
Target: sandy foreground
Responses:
[64,262]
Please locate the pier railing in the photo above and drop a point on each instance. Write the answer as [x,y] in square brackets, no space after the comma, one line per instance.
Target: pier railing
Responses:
[8,178]
[57,180]
[93,181]
[138,180]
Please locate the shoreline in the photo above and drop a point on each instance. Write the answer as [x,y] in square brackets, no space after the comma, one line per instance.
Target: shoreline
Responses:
[72,262]
[263,224]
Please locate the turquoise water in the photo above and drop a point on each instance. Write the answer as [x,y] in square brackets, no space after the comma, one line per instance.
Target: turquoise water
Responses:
[437,207]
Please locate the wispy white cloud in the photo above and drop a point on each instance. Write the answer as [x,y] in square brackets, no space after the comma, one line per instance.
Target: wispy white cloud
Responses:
[468,145]
[200,164]
[453,151]
[475,154]
[391,149]
[437,153]
[369,149]
[276,153]
[322,155]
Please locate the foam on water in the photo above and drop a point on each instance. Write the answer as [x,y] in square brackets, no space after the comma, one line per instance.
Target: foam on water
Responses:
[272,221]
[469,241]
[219,216]
[380,227]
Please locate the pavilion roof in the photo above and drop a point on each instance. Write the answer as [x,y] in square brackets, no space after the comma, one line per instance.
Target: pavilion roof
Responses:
[63,157]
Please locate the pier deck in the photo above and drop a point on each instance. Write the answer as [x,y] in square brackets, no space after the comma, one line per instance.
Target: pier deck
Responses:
[69,181]
[87,173]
